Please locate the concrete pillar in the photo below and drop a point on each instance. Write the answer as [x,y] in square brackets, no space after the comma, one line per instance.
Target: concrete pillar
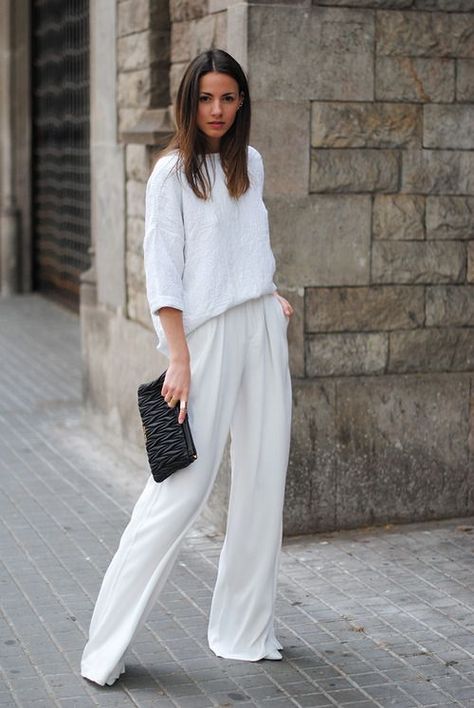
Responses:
[107,162]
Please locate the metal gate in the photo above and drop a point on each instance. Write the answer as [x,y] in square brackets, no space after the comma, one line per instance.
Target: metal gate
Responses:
[61,159]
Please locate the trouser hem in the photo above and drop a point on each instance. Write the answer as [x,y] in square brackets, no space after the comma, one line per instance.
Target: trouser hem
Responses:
[100,679]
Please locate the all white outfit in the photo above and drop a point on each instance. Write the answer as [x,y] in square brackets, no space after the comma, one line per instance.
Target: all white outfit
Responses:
[215,263]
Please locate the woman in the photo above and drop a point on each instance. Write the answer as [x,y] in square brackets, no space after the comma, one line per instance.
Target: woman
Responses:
[220,321]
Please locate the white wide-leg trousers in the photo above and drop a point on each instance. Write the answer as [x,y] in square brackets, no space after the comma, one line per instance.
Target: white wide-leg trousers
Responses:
[240,382]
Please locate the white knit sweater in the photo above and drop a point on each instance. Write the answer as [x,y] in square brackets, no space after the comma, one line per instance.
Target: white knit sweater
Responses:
[200,256]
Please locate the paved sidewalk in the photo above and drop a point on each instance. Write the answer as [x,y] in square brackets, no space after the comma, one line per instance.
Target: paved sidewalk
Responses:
[375,617]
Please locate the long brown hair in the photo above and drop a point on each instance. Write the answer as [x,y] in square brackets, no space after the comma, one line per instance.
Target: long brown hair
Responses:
[191,143]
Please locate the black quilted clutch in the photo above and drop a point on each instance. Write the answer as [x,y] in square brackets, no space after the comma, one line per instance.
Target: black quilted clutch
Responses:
[169,444]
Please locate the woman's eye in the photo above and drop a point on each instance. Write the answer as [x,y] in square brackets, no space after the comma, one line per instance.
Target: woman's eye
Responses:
[228,99]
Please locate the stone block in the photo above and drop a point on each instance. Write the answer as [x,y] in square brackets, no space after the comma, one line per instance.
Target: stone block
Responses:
[135,235]
[449,217]
[128,118]
[203,33]
[471,424]
[450,306]
[138,309]
[414,79]
[352,170]
[377,4]
[108,224]
[222,5]
[176,74]
[286,161]
[321,240]
[329,49]
[137,304]
[438,172]
[312,470]
[160,94]
[236,39]
[418,262]
[134,89]
[220,30]
[159,11]
[181,41]
[137,162]
[464,81]
[470,262]
[346,354]
[360,309]
[135,271]
[448,126]
[424,34]
[351,125]
[136,199]
[399,217]
[181,10]
[133,16]
[133,52]
[160,46]
[152,127]
[445,5]
[433,349]
[402,448]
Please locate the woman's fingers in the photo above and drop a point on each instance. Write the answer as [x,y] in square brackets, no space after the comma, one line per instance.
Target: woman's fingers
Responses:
[174,393]
[287,308]
[285,305]
[172,401]
[176,387]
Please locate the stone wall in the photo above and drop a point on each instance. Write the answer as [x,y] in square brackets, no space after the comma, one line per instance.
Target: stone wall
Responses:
[363,114]
[370,188]
[143,51]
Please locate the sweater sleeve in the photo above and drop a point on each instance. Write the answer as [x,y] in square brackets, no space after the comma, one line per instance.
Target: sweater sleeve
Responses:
[260,173]
[163,244]
[260,184]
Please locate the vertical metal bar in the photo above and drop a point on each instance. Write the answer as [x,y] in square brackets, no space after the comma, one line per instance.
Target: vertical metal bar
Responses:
[9,222]
[61,146]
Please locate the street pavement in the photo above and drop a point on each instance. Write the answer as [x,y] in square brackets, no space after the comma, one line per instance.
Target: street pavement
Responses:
[371,617]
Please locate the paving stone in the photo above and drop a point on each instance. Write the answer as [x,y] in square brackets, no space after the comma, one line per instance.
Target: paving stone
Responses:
[315,700]
[195,702]
[407,586]
[390,696]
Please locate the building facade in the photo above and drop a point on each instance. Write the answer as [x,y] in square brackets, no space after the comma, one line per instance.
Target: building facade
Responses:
[363,111]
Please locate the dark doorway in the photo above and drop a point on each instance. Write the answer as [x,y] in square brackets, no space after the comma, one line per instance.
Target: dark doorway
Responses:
[61,154]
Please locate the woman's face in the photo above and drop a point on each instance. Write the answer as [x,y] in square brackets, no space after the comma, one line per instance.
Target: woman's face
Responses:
[218,103]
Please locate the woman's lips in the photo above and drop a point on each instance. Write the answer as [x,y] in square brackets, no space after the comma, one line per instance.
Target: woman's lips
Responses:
[216,125]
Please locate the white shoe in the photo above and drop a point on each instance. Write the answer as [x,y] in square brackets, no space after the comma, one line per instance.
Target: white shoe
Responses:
[274,655]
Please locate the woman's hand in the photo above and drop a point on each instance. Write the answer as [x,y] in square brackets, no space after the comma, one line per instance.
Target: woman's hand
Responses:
[287,308]
[176,384]
[178,375]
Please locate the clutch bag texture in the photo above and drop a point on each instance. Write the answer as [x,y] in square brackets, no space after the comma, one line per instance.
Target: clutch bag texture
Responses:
[169,444]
